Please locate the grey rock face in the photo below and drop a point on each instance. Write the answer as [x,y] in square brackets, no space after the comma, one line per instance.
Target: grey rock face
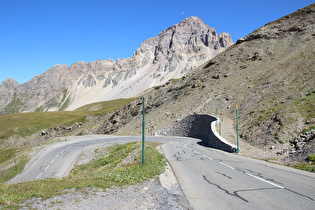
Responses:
[171,54]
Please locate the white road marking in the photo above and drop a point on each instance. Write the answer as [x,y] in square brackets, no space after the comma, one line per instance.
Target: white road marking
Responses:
[39,175]
[227,165]
[46,167]
[207,157]
[261,179]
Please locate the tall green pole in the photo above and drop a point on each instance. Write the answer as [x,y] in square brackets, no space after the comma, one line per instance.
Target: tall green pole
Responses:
[220,121]
[220,117]
[238,146]
[15,162]
[213,105]
[143,134]
[216,115]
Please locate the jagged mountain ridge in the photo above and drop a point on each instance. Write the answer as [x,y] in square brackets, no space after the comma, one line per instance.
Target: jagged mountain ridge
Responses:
[171,54]
[269,74]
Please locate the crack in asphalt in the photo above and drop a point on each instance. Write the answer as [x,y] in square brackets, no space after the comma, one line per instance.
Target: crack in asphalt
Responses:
[258,174]
[254,174]
[177,156]
[224,175]
[305,196]
[234,194]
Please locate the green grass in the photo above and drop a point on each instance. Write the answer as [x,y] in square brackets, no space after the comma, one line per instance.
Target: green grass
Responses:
[251,112]
[311,157]
[100,173]
[306,105]
[306,167]
[6,154]
[26,124]
[106,106]
[11,172]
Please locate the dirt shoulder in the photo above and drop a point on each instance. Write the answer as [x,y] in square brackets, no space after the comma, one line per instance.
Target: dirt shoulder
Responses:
[163,192]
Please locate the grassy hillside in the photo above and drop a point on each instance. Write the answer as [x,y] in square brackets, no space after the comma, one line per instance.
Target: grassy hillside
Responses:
[26,124]
[112,167]
[269,74]
[19,133]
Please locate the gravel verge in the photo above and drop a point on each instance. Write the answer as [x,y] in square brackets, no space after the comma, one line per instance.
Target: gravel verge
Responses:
[162,192]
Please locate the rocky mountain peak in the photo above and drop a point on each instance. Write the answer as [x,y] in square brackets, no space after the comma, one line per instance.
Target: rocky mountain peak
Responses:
[10,82]
[190,36]
[171,54]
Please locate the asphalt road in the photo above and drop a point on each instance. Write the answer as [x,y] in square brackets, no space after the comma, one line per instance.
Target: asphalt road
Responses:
[210,179]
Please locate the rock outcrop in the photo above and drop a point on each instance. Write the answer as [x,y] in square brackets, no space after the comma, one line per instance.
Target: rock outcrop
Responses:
[171,54]
[270,76]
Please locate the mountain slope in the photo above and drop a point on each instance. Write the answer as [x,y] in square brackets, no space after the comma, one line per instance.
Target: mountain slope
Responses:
[269,74]
[171,54]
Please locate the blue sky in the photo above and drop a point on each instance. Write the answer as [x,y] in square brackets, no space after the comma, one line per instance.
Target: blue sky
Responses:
[35,35]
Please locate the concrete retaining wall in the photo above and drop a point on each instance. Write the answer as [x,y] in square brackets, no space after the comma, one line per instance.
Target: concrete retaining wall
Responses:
[201,127]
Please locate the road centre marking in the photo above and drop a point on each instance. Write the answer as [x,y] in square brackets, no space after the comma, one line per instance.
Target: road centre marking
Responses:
[46,167]
[39,175]
[207,157]
[227,165]
[261,179]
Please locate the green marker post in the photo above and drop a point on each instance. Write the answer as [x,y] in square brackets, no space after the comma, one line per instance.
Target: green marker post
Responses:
[238,146]
[220,121]
[15,162]
[143,134]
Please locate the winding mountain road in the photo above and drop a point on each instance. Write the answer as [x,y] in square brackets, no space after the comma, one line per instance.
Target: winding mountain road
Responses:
[210,178]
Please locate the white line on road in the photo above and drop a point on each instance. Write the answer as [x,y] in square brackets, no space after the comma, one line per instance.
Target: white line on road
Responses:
[46,167]
[261,179]
[227,165]
[52,162]
[207,157]
[39,175]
